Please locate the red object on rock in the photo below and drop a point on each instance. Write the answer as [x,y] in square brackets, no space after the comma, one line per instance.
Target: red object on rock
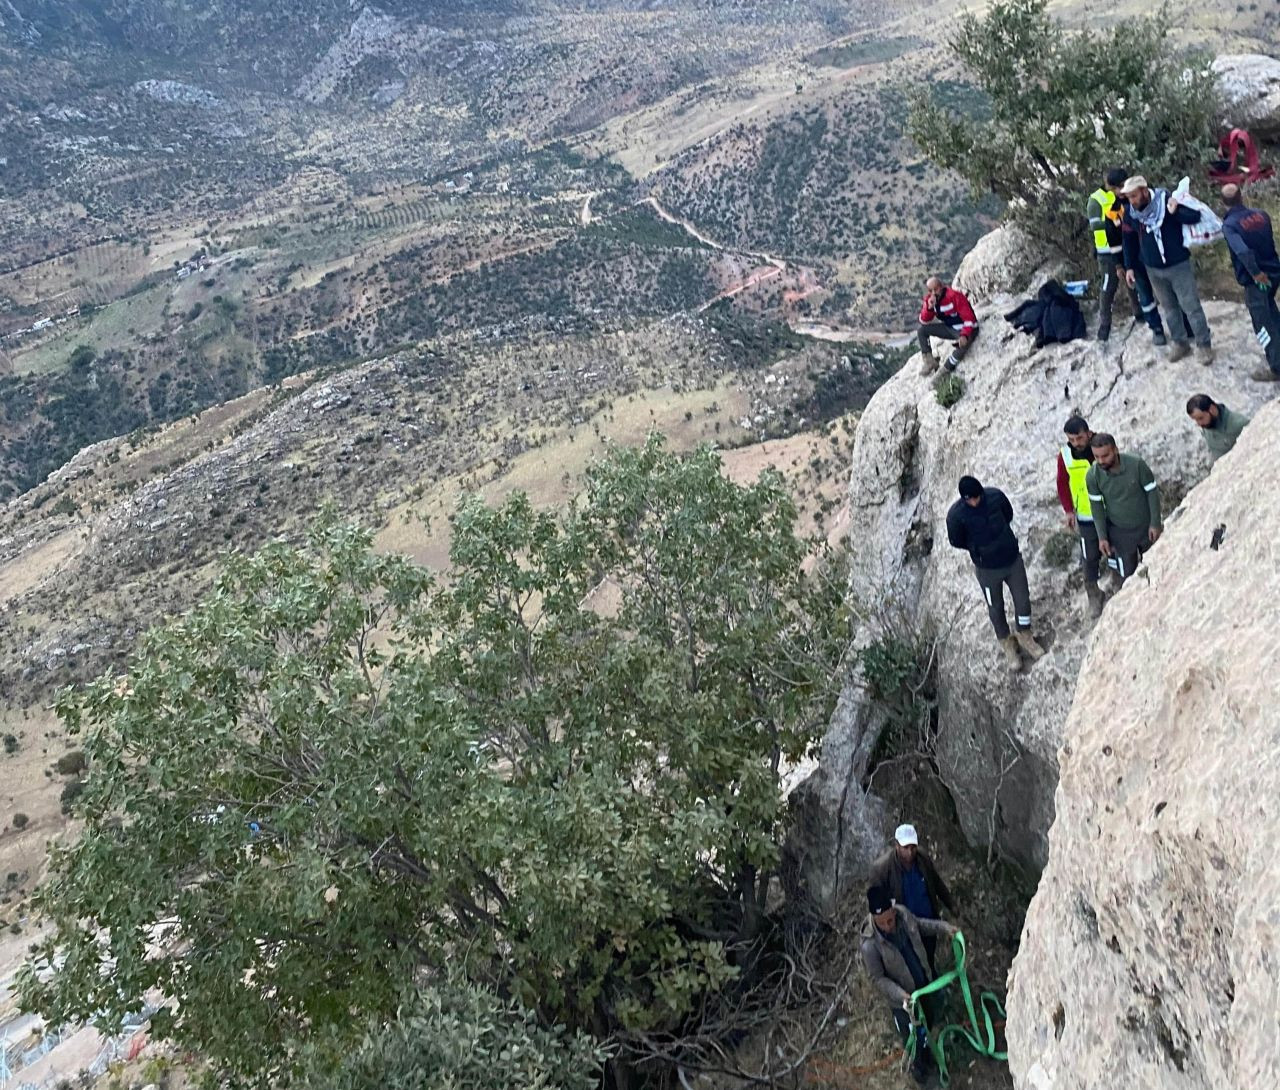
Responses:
[1238,160]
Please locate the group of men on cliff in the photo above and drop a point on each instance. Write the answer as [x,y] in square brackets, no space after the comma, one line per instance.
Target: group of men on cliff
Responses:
[1138,238]
[1110,498]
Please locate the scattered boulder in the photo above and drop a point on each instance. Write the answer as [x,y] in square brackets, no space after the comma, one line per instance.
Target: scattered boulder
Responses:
[1250,86]
[1003,261]
[1148,955]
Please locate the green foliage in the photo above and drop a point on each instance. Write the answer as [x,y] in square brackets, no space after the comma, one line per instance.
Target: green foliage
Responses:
[10,744]
[82,358]
[1062,549]
[71,764]
[949,390]
[20,820]
[897,675]
[335,781]
[70,795]
[1065,106]
[458,1037]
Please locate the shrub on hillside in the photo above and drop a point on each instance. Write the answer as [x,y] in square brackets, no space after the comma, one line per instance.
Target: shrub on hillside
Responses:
[1066,105]
[575,803]
[71,764]
[949,390]
[20,820]
[1062,549]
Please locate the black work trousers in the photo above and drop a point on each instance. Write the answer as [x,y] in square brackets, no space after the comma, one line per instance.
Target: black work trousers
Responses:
[1127,548]
[993,581]
[1265,315]
[1090,554]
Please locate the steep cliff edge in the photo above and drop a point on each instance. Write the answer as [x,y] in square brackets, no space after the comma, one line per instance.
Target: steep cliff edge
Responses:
[997,734]
[1150,951]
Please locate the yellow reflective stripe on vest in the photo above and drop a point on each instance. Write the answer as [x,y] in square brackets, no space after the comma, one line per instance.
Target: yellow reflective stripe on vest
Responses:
[1101,243]
[1077,469]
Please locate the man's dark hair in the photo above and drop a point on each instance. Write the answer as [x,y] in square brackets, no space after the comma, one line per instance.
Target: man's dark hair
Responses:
[1116,177]
[1077,425]
[1199,403]
[1102,440]
[970,488]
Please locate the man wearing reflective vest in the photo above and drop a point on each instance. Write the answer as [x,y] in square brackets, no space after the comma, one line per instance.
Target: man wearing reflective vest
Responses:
[1074,461]
[1106,213]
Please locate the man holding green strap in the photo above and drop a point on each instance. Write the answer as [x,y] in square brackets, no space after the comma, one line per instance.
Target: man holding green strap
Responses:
[894,955]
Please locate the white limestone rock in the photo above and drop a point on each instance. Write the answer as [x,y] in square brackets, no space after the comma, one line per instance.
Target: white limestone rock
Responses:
[998,734]
[1149,954]
[1250,86]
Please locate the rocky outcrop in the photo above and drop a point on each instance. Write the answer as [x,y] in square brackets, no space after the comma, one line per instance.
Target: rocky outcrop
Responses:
[1002,261]
[1149,954]
[1250,86]
[997,735]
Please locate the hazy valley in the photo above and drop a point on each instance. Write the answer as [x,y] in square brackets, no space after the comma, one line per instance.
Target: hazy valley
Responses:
[259,259]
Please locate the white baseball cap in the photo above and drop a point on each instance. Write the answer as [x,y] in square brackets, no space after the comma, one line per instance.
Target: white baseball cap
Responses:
[906,834]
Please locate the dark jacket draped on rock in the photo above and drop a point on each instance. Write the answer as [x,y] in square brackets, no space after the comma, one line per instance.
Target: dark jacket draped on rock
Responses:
[1052,317]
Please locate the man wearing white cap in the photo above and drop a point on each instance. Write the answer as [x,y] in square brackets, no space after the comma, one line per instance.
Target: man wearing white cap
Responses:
[1156,244]
[910,876]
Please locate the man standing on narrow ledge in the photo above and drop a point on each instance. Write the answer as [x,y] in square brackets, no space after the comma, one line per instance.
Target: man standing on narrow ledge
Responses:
[1157,244]
[1074,461]
[1106,210]
[1125,501]
[945,313]
[1257,268]
[981,522]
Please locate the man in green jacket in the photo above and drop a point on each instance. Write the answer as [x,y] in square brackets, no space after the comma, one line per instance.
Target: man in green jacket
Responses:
[1218,424]
[1125,501]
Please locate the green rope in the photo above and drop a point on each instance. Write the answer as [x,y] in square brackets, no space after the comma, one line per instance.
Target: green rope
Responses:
[983,1041]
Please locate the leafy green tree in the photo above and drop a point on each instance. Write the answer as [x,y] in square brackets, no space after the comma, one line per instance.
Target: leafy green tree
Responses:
[556,773]
[456,1038]
[1065,105]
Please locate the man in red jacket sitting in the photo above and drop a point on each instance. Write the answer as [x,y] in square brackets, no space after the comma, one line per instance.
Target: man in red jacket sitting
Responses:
[946,313]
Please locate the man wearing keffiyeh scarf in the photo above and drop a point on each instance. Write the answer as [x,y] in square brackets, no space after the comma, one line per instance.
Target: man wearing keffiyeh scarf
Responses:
[1156,243]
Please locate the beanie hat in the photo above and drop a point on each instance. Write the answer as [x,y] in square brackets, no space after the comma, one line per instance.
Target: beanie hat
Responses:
[879,900]
[970,487]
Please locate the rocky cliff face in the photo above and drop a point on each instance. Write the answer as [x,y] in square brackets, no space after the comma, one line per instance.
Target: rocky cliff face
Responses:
[1150,951]
[997,734]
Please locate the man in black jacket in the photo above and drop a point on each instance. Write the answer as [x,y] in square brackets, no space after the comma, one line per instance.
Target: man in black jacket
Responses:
[1156,242]
[981,522]
[1257,267]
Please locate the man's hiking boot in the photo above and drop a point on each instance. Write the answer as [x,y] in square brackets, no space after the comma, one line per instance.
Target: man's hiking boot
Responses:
[1009,645]
[1028,644]
[1265,375]
[1205,355]
[1094,593]
[1180,351]
[1159,339]
[928,363]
